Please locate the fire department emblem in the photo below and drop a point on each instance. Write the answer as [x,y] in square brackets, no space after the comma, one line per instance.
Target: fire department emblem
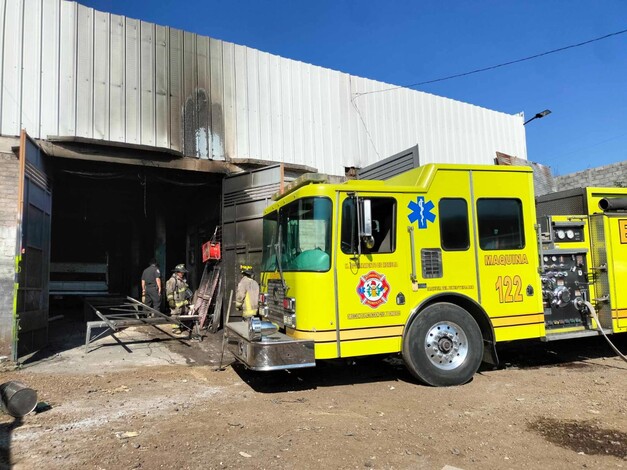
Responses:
[373,289]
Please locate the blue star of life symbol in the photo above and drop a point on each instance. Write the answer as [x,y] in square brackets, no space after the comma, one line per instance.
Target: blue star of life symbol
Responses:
[421,212]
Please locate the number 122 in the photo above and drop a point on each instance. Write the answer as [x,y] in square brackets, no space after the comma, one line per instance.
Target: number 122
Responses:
[505,284]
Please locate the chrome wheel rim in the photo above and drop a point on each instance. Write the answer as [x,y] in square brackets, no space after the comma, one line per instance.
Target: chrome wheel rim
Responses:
[446,345]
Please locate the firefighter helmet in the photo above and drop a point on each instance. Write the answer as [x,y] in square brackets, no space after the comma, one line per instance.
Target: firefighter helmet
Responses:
[246,270]
[180,268]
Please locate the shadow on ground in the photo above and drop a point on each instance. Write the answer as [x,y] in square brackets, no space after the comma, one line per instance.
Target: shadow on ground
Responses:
[573,353]
[523,355]
[6,432]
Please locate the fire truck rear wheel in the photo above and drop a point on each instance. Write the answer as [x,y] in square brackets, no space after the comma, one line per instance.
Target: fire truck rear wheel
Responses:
[443,345]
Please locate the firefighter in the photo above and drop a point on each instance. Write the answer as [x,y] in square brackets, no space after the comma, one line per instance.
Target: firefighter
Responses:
[151,285]
[178,292]
[247,298]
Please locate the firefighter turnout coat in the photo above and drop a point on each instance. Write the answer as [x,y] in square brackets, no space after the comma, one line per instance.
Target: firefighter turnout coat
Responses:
[177,294]
[247,298]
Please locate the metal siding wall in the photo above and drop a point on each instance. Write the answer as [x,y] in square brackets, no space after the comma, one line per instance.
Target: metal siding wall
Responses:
[102,67]
[117,96]
[241,103]
[12,68]
[133,100]
[85,73]
[286,110]
[317,103]
[31,66]
[229,103]
[265,113]
[252,92]
[217,99]
[147,83]
[297,110]
[203,99]
[67,69]
[3,7]
[190,82]
[176,89]
[96,75]
[276,122]
[162,89]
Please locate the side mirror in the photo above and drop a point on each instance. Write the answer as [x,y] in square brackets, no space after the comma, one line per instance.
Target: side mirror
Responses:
[365,218]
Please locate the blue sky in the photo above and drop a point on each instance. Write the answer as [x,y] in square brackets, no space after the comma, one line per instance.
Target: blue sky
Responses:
[403,42]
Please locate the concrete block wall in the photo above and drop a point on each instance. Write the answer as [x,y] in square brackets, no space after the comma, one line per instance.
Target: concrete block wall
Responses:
[608,175]
[9,169]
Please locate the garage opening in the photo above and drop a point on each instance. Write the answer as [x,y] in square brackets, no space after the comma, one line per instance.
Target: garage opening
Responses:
[109,220]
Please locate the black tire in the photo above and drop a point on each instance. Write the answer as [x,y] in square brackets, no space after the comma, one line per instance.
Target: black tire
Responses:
[443,345]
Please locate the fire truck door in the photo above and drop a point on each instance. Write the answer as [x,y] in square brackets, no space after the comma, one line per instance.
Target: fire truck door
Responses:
[368,278]
[507,254]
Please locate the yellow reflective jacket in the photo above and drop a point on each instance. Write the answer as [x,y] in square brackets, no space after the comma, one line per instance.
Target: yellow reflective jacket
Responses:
[247,298]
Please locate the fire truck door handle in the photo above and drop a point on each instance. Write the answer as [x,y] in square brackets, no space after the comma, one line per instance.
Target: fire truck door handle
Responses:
[412,249]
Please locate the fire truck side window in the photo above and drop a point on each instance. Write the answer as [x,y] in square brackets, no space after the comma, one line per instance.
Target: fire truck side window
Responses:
[383,226]
[454,224]
[500,223]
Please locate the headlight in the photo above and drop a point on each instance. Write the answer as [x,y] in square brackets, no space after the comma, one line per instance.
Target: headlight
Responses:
[258,329]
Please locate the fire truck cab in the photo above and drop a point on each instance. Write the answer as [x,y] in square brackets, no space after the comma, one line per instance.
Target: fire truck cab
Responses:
[438,264]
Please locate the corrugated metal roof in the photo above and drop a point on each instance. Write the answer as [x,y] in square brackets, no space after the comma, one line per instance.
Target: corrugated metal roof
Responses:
[68,70]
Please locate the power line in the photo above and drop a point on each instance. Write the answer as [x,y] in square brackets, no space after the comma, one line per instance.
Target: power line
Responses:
[492,67]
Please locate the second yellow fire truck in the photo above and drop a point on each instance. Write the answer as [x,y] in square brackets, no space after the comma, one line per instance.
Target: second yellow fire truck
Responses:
[438,264]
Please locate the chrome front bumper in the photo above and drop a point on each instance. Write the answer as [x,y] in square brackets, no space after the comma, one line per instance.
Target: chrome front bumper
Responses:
[274,352]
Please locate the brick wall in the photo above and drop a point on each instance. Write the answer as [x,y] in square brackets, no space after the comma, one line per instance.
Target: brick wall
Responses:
[608,175]
[9,168]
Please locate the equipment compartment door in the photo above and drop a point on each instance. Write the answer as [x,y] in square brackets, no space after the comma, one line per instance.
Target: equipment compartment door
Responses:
[33,251]
[617,257]
[507,255]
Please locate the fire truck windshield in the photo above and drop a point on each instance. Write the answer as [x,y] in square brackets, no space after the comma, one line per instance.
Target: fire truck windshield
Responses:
[304,227]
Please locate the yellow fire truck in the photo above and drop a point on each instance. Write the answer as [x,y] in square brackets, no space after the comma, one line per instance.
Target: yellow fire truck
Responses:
[438,264]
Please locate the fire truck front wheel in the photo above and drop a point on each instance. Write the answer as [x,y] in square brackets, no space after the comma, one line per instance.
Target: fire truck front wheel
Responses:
[443,345]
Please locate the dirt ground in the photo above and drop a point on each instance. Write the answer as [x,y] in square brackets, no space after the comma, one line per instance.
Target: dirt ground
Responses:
[159,402]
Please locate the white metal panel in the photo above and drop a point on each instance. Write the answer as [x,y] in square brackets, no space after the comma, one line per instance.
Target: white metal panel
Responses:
[67,68]
[147,83]
[265,121]
[190,115]
[276,123]
[252,80]
[241,103]
[229,103]
[335,131]
[49,109]
[217,99]
[297,110]
[117,95]
[203,92]
[31,67]
[286,104]
[176,90]
[12,68]
[319,102]
[3,6]
[162,99]
[347,125]
[308,125]
[102,67]
[133,100]
[85,73]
